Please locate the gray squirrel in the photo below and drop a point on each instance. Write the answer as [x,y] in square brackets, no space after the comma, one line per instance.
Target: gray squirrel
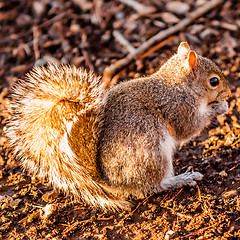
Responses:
[107,147]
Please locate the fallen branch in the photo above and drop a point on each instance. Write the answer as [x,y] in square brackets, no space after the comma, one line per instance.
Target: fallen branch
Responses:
[113,68]
[123,41]
[158,46]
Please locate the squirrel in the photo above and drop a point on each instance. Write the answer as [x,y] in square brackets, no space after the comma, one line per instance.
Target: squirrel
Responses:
[108,147]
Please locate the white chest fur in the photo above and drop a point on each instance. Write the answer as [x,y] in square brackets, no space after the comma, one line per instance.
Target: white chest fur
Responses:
[203,108]
[168,146]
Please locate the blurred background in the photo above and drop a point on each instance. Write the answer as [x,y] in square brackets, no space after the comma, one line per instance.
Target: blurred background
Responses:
[89,34]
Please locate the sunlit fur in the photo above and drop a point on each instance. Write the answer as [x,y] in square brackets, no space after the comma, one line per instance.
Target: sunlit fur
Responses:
[106,148]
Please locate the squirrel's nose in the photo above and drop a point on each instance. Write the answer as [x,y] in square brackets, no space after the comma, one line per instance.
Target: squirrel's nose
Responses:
[225,94]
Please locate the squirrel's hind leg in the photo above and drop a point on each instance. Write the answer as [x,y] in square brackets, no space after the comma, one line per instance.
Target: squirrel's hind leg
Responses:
[181,180]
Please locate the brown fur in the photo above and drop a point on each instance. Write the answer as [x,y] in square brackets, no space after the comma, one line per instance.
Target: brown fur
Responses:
[105,148]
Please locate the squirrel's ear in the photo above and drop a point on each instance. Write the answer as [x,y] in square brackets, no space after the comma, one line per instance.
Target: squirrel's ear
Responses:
[192,59]
[183,48]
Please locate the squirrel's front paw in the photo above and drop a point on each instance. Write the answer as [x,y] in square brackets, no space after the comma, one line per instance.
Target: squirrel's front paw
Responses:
[220,107]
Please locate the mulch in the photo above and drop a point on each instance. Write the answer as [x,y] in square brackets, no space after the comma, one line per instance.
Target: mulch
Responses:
[96,35]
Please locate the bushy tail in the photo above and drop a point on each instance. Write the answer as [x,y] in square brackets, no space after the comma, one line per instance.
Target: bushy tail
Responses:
[54,130]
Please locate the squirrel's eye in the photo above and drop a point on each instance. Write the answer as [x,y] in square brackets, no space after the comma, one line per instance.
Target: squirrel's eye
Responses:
[214,81]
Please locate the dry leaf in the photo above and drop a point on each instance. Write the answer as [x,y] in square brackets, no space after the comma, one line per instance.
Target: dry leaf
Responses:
[169,18]
[177,7]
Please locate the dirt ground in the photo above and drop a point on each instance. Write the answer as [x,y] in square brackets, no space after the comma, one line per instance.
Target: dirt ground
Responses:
[83,32]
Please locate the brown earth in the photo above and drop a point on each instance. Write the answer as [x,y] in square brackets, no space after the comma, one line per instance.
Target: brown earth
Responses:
[80,32]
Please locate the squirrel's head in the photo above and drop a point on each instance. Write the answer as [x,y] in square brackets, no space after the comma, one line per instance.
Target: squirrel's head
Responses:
[187,67]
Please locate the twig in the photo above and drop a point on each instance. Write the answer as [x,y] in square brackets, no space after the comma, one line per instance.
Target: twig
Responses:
[163,199]
[173,212]
[176,194]
[200,230]
[141,203]
[134,210]
[55,19]
[35,42]
[97,7]
[112,69]
[234,167]
[177,213]
[87,60]
[158,46]
[199,193]
[123,41]
[237,219]
[73,226]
